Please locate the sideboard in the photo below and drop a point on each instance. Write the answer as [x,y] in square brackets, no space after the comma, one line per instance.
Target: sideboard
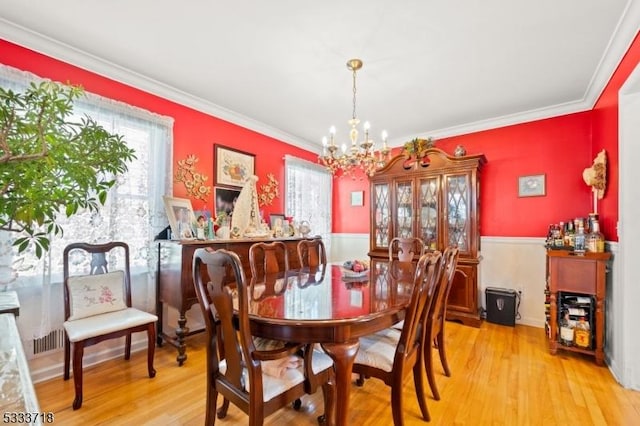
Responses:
[174,279]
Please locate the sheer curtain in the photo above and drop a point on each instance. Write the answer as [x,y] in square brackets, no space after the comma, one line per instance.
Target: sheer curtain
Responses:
[134,213]
[308,195]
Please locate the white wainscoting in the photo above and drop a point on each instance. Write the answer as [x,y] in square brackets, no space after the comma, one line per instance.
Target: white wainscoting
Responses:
[513,263]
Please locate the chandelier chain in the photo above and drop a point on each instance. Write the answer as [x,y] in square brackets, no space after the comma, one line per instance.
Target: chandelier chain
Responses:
[354,95]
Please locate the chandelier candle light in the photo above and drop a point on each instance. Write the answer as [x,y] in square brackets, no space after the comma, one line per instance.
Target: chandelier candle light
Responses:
[362,154]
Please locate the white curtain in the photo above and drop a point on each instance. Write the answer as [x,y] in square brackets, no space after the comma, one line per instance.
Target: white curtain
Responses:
[308,195]
[134,213]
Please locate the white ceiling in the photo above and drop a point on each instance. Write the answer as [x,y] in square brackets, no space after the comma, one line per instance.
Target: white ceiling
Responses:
[431,68]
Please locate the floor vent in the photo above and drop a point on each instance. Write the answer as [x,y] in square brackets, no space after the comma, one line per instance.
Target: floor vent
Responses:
[50,342]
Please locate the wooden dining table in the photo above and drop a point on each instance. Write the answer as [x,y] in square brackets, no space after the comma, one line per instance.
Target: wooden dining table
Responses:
[326,307]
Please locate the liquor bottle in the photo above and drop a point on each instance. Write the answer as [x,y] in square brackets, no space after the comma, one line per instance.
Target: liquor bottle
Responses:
[569,234]
[549,241]
[566,330]
[595,239]
[582,334]
[580,240]
[559,237]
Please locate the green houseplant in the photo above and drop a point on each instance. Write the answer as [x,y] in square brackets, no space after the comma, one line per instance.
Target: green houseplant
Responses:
[51,163]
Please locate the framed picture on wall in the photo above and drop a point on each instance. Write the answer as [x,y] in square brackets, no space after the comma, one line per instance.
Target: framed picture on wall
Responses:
[357,198]
[225,200]
[531,186]
[232,167]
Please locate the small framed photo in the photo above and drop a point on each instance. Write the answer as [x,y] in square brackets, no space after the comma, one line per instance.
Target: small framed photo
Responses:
[276,220]
[532,186]
[357,198]
[181,218]
[225,200]
[232,167]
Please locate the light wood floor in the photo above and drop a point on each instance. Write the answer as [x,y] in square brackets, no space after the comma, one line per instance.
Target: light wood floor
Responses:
[501,376]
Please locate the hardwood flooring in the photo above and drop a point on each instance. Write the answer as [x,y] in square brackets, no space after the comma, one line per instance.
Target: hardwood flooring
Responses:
[500,376]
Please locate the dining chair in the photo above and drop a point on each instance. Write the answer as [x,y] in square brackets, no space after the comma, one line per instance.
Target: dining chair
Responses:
[97,305]
[311,253]
[434,329]
[406,249]
[312,257]
[391,354]
[259,382]
[268,258]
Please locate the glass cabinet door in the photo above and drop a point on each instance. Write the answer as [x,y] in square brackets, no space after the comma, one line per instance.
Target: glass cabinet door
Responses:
[382,206]
[457,206]
[404,209]
[428,206]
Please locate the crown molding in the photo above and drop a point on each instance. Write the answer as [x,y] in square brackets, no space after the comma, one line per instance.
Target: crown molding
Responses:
[624,34]
[622,38]
[63,52]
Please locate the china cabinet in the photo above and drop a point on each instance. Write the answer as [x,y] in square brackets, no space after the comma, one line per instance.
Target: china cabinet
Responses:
[435,198]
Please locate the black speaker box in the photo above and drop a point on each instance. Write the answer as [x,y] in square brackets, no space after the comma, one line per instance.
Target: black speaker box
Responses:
[501,305]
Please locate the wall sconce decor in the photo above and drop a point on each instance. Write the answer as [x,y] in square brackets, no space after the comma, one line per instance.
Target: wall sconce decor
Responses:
[193,180]
[268,191]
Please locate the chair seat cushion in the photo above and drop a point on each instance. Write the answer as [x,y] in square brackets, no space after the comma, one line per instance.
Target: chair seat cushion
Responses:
[97,325]
[378,350]
[273,386]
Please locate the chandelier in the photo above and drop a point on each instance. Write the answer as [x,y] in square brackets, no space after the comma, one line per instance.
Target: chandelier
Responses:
[362,154]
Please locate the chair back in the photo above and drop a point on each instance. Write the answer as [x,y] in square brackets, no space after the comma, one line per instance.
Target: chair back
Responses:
[426,274]
[449,263]
[268,258]
[450,257]
[406,249]
[311,253]
[269,263]
[312,257]
[217,295]
[89,287]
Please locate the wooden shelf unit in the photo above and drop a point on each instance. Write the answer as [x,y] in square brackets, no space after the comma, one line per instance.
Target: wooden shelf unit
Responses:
[578,274]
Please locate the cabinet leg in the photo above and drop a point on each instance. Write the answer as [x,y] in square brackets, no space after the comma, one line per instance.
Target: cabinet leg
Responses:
[181,331]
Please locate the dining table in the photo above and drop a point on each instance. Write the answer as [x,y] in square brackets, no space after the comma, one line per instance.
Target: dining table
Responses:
[334,307]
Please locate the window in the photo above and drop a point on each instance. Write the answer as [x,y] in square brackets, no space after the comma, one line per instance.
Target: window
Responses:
[133,213]
[308,195]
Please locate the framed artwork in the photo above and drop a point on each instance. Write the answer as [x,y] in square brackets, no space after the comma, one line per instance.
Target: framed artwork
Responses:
[531,186]
[181,218]
[225,200]
[276,219]
[232,167]
[357,198]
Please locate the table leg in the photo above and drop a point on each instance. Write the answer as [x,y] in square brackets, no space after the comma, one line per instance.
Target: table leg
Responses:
[343,355]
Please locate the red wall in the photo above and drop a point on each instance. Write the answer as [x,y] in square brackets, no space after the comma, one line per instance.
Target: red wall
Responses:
[560,147]
[605,136]
[194,132]
[557,147]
